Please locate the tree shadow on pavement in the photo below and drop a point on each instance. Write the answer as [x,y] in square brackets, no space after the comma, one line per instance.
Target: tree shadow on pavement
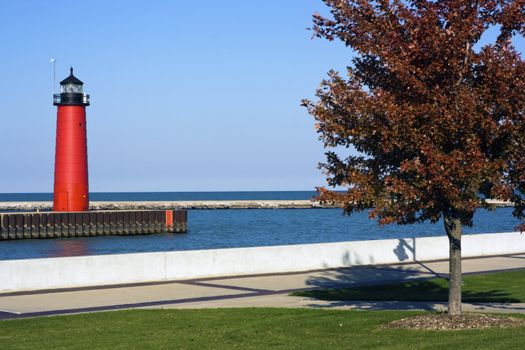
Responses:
[335,288]
[411,286]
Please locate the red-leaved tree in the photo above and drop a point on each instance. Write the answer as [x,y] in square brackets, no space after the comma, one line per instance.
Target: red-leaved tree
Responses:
[431,124]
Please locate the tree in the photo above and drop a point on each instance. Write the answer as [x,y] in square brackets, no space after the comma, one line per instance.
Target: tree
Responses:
[425,125]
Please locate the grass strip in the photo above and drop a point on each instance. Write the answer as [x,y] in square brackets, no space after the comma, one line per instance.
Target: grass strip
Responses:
[242,328]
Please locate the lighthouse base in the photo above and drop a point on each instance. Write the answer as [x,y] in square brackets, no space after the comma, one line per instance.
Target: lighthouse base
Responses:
[90,223]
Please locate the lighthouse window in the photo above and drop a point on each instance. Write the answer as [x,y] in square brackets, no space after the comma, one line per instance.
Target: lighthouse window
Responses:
[71,88]
[80,124]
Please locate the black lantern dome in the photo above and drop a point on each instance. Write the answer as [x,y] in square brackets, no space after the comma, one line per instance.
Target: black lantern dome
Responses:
[71,92]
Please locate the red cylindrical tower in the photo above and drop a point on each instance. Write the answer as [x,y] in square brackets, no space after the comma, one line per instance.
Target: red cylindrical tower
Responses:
[71,192]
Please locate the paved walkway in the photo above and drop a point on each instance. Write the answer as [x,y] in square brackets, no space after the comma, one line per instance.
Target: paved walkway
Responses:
[253,291]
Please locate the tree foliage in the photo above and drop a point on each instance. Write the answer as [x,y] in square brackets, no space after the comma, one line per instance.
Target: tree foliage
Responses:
[432,123]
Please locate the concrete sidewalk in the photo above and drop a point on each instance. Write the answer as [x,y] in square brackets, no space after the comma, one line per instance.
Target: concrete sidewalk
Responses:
[253,291]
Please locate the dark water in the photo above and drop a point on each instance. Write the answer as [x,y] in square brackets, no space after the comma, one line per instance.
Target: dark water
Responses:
[209,229]
[167,196]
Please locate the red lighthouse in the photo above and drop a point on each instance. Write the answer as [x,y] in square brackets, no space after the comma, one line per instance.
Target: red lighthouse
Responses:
[71,190]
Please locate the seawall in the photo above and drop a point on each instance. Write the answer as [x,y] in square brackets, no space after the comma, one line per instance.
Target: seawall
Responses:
[49,224]
[82,271]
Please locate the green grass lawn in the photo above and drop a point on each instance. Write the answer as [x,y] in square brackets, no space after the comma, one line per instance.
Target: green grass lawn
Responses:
[243,329]
[507,287]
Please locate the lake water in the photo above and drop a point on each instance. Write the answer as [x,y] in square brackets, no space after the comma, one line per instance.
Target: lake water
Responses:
[167,196]
[209,229]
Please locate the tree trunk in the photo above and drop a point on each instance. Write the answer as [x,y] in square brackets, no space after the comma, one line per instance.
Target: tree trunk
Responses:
[453,229]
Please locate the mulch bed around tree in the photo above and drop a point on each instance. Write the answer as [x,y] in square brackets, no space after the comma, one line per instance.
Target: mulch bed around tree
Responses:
[443,321]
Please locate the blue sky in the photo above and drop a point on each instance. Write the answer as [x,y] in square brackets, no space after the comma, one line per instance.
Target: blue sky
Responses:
[186,96]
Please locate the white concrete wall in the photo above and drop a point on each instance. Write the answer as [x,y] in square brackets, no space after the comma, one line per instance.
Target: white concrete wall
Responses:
[32,274]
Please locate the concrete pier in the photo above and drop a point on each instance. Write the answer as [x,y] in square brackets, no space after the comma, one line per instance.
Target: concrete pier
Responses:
[164,205]
[25,225]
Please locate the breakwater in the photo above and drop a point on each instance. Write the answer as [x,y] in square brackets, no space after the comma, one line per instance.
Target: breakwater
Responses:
[204,204]
[165,205]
